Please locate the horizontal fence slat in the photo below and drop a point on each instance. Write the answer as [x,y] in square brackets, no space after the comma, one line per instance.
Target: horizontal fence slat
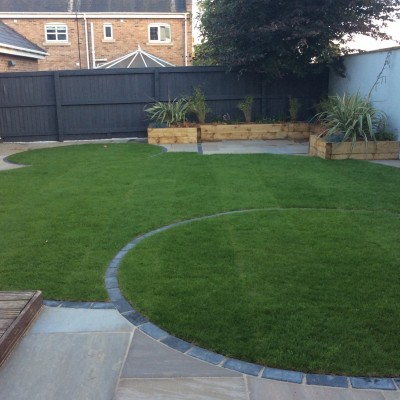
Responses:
[104,130]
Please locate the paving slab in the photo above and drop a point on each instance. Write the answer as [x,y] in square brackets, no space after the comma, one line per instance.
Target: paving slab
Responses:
[265,389]
[184,147]
[260,389]
[255,147]
[59,320]
[64,366]
[148,358]
[182,389]
[391,395]
[388,163]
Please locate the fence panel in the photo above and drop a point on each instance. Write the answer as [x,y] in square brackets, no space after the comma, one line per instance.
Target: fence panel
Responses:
[89,104]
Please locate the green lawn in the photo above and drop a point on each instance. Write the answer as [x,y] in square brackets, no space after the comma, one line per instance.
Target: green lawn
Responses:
[283,288]
[315,289]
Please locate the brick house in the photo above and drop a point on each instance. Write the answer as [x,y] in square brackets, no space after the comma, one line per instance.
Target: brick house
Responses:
[18,53]
[80,34]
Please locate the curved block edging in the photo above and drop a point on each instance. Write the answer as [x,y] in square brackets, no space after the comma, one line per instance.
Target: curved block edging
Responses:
[142,323]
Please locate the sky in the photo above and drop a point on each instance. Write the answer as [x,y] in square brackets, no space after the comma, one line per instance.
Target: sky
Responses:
[361,42]
[367,43]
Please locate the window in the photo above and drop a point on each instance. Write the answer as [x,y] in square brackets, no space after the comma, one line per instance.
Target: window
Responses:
[56,33]
[159,33]
[108,31]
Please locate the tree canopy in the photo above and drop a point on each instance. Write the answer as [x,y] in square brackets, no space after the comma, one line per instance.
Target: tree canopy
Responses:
[286,36]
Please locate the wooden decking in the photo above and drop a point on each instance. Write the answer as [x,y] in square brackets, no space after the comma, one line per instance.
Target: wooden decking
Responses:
[17,311]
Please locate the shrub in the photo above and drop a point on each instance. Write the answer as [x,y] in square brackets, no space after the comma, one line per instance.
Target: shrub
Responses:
[383,133]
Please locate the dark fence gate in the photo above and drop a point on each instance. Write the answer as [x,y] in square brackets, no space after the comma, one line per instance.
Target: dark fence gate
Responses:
[92,104]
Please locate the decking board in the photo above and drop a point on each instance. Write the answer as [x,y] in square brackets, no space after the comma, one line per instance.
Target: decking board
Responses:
[17,311]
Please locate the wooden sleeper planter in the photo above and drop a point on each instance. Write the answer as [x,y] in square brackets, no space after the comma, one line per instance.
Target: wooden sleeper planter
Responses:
[379,150]
[171,135]
[218,132]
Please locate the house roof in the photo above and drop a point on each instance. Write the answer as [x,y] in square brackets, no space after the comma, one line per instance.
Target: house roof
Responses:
[92,6]
[11,42]
[137,59]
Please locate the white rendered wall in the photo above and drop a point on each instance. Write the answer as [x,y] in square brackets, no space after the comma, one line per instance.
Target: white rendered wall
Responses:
[362,71]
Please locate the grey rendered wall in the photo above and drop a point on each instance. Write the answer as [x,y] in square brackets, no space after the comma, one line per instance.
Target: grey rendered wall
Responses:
[362,71]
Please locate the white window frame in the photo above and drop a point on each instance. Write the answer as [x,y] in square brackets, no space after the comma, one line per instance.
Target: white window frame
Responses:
[59,29]
[159,34]
[105,37]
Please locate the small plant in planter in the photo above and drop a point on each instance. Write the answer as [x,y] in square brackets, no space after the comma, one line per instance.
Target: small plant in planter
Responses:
[172,112]
[294,108]
[245,107]
[198,105]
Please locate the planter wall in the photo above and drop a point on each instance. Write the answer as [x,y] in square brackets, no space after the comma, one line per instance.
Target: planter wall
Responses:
[218,132]
[340,151]
[215,132]
[171,135]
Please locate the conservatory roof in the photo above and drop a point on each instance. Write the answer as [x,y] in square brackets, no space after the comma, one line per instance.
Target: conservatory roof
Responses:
[136,59]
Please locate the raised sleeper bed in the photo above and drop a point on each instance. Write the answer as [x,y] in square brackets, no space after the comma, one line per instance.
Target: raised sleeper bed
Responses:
[296,130]
[379,150]
[218,132]
[171,135]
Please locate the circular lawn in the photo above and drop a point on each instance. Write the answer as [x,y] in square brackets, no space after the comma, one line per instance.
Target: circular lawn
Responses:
[310,290]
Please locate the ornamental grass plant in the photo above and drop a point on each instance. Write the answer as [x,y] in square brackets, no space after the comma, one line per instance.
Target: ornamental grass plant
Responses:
[198,105]
[172,112]
[351,118]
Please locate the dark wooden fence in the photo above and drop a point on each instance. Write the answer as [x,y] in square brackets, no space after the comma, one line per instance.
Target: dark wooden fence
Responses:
[89,104]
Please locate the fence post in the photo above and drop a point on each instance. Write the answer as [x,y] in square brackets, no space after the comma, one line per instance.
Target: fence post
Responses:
[156,85]
[57,91]
[263,97]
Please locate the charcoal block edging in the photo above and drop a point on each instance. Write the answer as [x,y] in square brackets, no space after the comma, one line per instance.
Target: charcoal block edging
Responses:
[206,355]
[119,303]
[327,380]
[176,343]
[153,330]
[243,366]
[372,383]
[283,375]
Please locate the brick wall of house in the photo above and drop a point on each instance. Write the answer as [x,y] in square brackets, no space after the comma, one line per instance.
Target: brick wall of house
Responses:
[128,33]
[22,64]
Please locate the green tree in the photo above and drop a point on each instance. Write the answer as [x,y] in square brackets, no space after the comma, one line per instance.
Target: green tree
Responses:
[286,36]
